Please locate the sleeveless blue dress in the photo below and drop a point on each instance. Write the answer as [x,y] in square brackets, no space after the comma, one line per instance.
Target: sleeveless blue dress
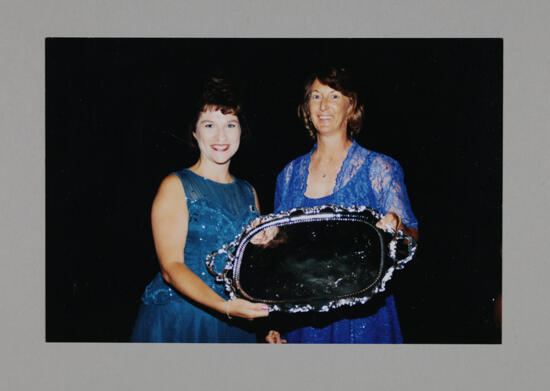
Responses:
[366,178]
[217,213]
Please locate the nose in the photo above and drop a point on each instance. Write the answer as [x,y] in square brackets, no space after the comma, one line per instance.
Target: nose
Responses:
[323,104]
[221,134]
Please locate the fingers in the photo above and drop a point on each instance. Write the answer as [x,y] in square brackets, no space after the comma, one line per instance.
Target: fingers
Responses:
[271,232]
[259,238]
[248,310]
[260,314]
[389,223]
[278,338]
[273,337]
[270,338]
[260,310]
[264,236]
[256,221]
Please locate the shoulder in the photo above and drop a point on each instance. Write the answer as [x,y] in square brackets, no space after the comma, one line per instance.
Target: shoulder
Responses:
[170,194]
[247,188]
[385,161]
[293,167]
[375,164]
[295,163]
[378,161]
[172,182]
[244,184]
[191,182]
[184,175]
[171,186]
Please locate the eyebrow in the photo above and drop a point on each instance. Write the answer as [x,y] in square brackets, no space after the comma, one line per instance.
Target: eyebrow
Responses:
[330,92]
[236,120]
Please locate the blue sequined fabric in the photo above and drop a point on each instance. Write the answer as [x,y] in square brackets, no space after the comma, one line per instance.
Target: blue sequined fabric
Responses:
[366,178]
[217,213]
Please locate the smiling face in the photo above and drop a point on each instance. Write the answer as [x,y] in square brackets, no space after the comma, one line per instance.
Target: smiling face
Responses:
[328,109]
[218,135]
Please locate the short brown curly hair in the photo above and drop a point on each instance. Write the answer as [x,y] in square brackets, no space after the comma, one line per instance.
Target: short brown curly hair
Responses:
[340,80]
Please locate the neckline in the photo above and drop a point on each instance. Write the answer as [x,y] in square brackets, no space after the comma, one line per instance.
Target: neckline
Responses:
[344,163]
[321,198]
[210,180]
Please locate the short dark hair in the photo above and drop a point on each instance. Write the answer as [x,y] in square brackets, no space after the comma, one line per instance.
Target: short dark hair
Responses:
[340,80]
[217,94]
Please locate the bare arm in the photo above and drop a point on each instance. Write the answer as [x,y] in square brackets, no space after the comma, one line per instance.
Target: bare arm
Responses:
[257,202]
[169,218]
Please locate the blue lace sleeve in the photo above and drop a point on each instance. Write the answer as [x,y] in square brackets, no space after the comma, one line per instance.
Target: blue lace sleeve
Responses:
[387,179]
[278,192]
[286,180]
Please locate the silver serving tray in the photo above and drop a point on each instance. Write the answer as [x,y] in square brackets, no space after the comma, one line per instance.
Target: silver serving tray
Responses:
[312,259]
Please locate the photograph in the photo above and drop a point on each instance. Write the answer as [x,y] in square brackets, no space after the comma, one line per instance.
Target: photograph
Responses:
[274,190]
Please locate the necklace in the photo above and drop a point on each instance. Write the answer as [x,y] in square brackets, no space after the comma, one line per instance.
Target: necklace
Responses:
[330,168]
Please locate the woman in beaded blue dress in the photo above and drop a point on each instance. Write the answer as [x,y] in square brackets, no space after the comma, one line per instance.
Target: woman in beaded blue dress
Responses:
[196,211]
[339,171]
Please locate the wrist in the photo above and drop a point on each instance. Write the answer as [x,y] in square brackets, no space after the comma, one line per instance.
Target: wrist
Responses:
[227,308]
[220,305]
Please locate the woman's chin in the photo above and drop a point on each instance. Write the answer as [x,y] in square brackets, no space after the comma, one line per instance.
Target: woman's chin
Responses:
[222,159]
[327,129]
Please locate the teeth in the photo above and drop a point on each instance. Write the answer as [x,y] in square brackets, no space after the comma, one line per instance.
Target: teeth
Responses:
[220,147]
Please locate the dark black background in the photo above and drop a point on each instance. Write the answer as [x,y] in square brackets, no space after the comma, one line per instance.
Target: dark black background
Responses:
[116,110]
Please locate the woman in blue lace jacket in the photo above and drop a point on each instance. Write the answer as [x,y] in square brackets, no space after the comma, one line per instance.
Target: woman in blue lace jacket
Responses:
[196,211]
[339,171]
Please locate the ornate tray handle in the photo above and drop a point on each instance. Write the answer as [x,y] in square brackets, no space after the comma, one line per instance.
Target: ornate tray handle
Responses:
[210,259]
[410,250]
